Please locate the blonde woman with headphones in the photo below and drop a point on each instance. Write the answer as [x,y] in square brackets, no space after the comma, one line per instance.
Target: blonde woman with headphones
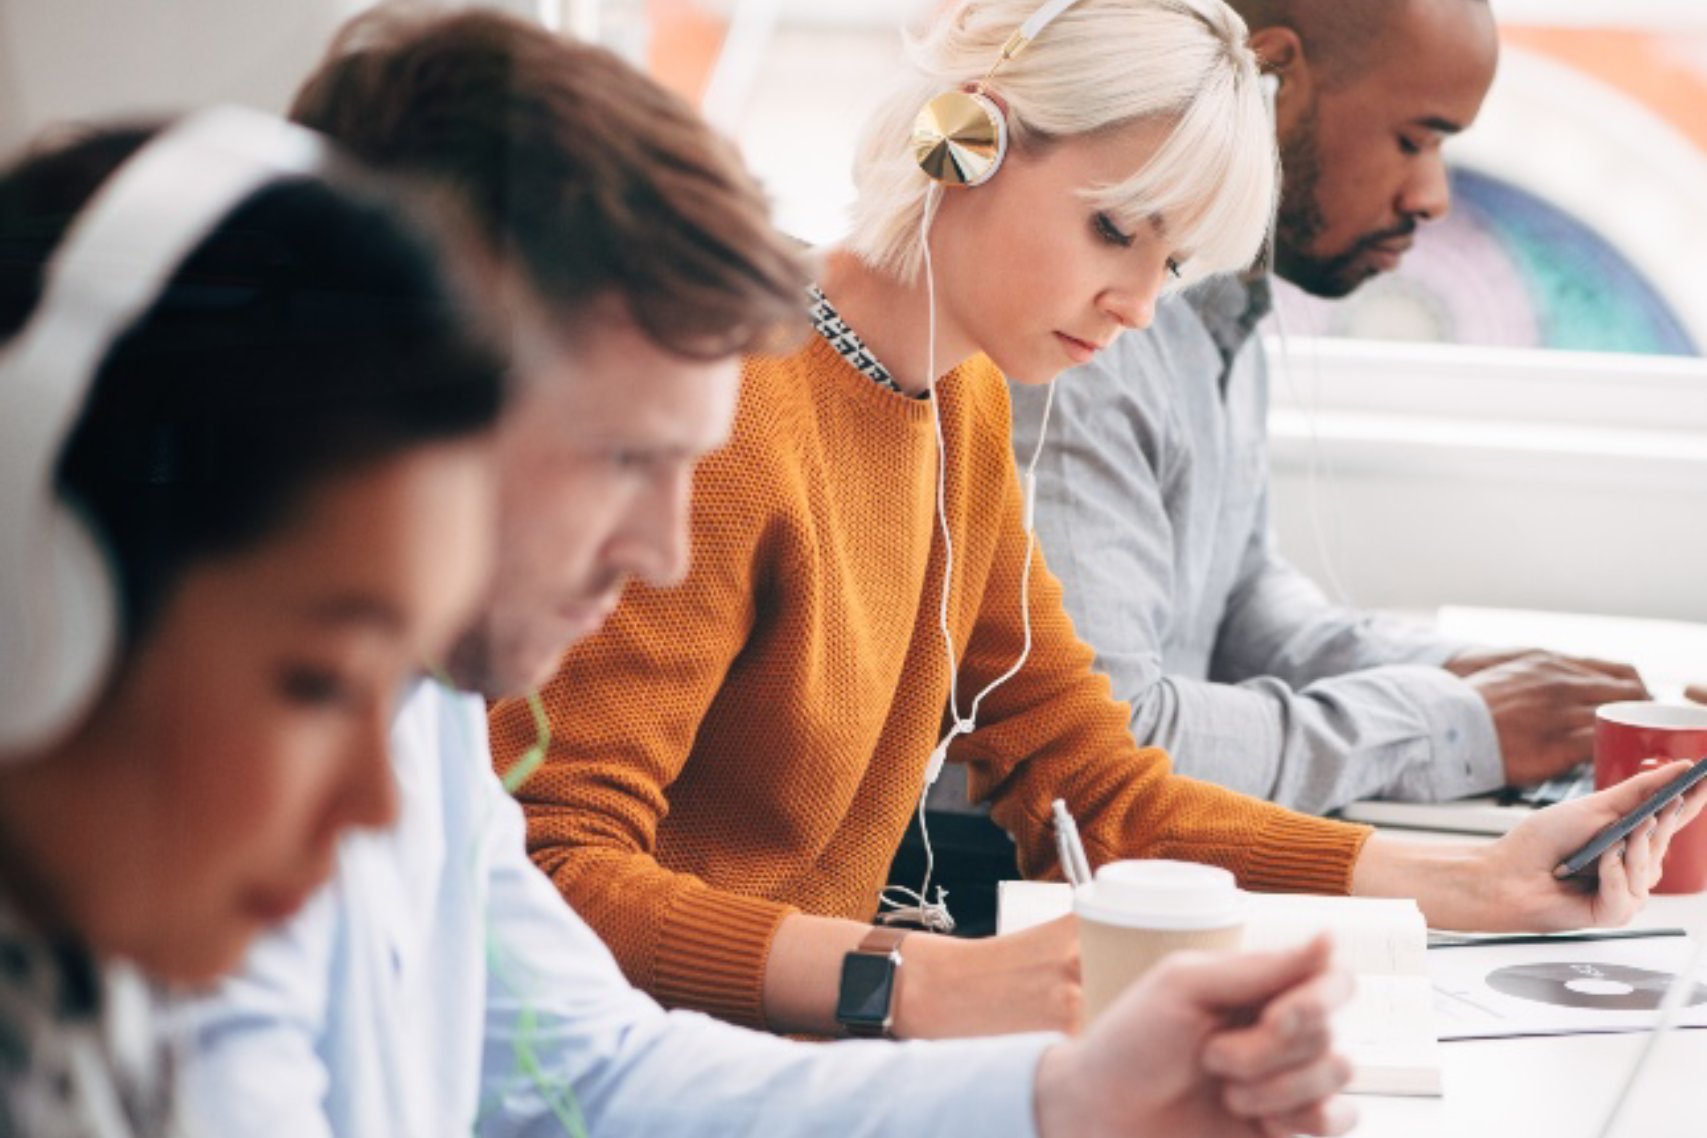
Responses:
[734,761]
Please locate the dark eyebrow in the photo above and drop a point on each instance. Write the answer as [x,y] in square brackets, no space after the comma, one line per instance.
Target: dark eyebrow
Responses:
[355,609]
[1440,125]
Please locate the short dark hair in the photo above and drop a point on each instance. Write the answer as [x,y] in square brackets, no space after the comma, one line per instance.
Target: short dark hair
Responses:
[310,333]
[590,176]
[1343,37]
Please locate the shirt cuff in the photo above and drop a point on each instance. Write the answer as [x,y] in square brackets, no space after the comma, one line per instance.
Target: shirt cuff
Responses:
[1464,757]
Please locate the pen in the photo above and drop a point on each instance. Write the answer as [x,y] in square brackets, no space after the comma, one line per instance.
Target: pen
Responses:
[1075,866]
[1453,940]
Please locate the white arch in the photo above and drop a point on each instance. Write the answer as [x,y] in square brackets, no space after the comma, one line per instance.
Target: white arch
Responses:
[1597,153]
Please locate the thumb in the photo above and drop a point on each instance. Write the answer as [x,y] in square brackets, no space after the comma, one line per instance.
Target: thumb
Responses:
[1229,983]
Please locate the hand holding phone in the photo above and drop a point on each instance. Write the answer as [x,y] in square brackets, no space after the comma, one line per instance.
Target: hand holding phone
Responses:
[1590,854]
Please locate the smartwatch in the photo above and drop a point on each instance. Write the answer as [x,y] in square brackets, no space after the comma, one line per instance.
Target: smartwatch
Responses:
[865,1007]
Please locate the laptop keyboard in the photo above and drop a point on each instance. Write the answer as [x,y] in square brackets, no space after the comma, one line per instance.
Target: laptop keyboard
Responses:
[1573,783]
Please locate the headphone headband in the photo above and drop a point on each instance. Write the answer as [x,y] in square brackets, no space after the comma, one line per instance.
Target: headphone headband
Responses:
[961,137]
[1033,28]
[57,603]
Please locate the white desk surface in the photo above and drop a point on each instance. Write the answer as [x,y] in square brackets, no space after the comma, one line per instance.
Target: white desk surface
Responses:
[1563,1087]
[1560,1087]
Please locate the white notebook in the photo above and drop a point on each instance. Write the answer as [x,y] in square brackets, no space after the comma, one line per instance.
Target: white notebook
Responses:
[1387,1030]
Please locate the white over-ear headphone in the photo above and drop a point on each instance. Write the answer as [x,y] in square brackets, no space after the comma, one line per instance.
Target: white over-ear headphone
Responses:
[59,607]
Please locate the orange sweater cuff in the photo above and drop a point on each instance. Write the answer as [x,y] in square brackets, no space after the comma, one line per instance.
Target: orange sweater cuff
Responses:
[711,955]
[1298,854]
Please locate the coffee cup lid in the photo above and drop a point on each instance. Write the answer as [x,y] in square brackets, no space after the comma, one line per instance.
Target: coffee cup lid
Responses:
[1171,895]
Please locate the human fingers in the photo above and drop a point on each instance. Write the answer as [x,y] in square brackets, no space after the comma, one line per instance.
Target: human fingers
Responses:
[1469,663]
[1611,903]
[1609,667]
[1233,982]
[1293,1030]
[1641,865]
[1670,820]
[1696,693]
[1596,688]
[1694,803]
[1298,1089]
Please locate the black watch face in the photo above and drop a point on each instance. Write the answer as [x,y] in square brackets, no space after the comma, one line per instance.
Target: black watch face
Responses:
[866,983]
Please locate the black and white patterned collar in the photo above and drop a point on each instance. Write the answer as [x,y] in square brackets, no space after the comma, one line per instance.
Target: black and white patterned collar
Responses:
[80,1051]
[828,323]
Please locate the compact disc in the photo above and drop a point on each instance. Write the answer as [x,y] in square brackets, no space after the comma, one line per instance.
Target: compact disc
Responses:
[1611,987]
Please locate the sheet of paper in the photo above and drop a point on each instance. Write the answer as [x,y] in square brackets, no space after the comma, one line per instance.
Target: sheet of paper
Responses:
[1376,936]
[1568,988]
[1387,1031]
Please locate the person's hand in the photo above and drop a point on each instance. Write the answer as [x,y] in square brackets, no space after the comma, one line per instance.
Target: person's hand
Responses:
[1212,1045]
[1481,659]
[1543,706]
[1025,981]
[1509,886]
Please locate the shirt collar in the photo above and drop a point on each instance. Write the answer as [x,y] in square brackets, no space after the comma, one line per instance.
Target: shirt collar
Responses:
[1231,307]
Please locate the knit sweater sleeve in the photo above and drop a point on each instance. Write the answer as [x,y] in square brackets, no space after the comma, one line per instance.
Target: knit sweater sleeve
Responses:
[1056,731]
[624,708]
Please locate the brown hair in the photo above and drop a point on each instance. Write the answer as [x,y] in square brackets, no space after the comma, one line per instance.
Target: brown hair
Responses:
[579,169]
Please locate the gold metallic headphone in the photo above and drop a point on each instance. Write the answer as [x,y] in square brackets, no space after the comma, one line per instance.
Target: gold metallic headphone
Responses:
[961,137]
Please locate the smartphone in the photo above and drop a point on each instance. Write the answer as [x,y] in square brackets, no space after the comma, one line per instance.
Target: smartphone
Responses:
[1625,826]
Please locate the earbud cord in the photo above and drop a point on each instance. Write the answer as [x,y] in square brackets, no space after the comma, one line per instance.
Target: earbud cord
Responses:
[1665,1020]
[1312,406]
[900,904]
[556,1091]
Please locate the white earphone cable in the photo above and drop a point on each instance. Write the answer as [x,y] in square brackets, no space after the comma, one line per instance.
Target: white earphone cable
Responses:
[902,905]
[1665,1020]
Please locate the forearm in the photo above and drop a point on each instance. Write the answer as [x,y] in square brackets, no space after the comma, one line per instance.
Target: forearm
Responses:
[940,989]
[803,972]
[1447,880]
[946,988]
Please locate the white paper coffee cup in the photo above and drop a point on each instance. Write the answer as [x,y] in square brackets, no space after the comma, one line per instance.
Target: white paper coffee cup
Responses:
[1137,912]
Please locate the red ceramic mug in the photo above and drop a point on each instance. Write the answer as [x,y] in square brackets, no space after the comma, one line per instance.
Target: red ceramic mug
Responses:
[1626,734]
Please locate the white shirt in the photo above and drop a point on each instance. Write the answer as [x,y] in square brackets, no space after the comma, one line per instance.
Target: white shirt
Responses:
[416,992]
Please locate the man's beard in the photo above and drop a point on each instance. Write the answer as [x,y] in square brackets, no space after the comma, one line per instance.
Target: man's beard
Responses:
[1301,222]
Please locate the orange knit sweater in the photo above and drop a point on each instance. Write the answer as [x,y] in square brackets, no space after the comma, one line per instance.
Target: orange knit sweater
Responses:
[754,741]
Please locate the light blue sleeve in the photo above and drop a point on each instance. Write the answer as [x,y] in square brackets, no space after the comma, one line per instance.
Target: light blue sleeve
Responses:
[561,1017]
[1294,708]
[252,1066]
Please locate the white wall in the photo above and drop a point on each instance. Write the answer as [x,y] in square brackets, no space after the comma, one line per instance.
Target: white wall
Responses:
[66,60]
[1427,476]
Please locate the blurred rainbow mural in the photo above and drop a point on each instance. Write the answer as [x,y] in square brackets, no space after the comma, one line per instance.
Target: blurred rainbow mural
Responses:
[1580,209]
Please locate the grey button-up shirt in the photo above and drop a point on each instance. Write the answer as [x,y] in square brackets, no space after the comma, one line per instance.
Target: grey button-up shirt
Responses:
[1152,507]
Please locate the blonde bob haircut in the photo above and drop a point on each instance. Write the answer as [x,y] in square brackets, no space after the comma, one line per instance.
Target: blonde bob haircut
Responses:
[1101,66]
